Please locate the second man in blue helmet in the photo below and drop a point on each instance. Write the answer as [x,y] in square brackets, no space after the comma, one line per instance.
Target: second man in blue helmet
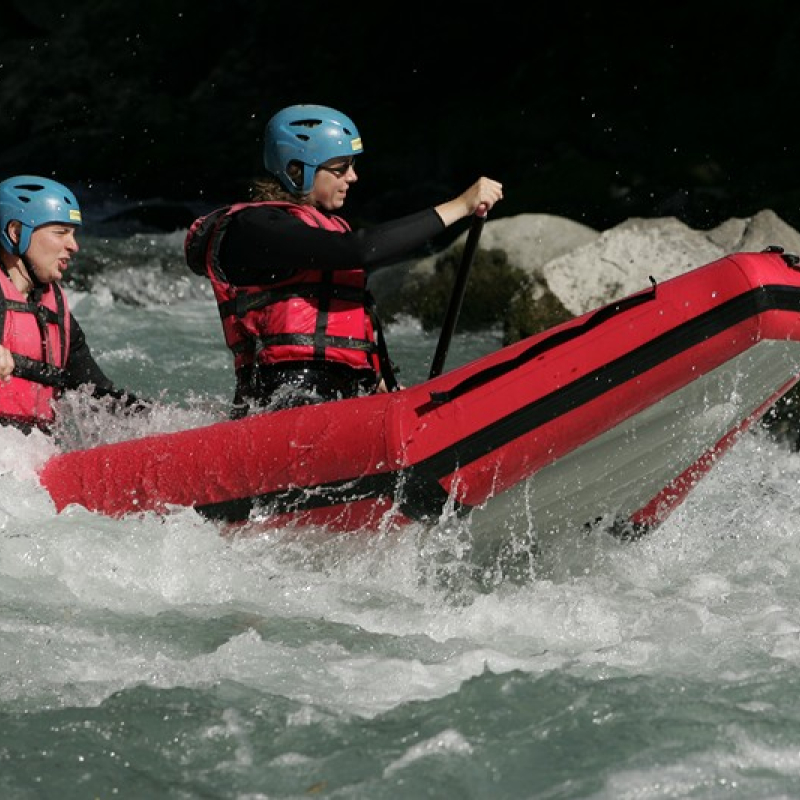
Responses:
[289,275]
[43,350]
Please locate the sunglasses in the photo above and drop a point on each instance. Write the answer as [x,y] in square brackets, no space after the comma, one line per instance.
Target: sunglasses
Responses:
[340,169]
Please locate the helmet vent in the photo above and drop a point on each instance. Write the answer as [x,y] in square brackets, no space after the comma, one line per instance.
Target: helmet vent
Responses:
[307,123]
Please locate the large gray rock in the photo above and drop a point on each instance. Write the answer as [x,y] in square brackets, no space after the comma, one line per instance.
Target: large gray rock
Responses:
[529,240]
[621,260]
[754,234]
[532,240]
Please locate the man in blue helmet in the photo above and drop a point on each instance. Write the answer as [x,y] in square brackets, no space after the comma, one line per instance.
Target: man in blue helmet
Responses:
[289,275]
[43,350]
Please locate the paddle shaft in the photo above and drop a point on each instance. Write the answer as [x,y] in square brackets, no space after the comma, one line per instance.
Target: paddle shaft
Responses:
[456,299]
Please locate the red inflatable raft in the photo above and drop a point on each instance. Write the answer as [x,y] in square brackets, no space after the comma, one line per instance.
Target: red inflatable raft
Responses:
[614,415]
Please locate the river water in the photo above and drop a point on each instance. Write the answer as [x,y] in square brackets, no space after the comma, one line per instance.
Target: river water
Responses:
[157,657]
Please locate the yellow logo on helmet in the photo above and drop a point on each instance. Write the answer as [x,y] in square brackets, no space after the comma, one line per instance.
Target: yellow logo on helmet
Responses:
[74,215]
[355,144]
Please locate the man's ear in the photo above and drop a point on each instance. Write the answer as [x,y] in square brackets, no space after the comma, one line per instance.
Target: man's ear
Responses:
[13,230]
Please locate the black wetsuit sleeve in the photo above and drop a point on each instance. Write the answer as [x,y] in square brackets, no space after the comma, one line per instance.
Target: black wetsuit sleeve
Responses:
[82,369]
[267,244]
[81,366]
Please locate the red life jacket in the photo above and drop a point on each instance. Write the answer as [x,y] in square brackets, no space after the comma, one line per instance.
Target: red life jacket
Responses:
[313,315]
[37,331]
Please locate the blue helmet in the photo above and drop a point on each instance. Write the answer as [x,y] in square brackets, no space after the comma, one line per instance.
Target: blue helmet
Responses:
[34,202]
[311,135]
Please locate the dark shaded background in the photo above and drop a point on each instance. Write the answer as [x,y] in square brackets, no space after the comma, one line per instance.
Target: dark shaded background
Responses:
[581,110]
